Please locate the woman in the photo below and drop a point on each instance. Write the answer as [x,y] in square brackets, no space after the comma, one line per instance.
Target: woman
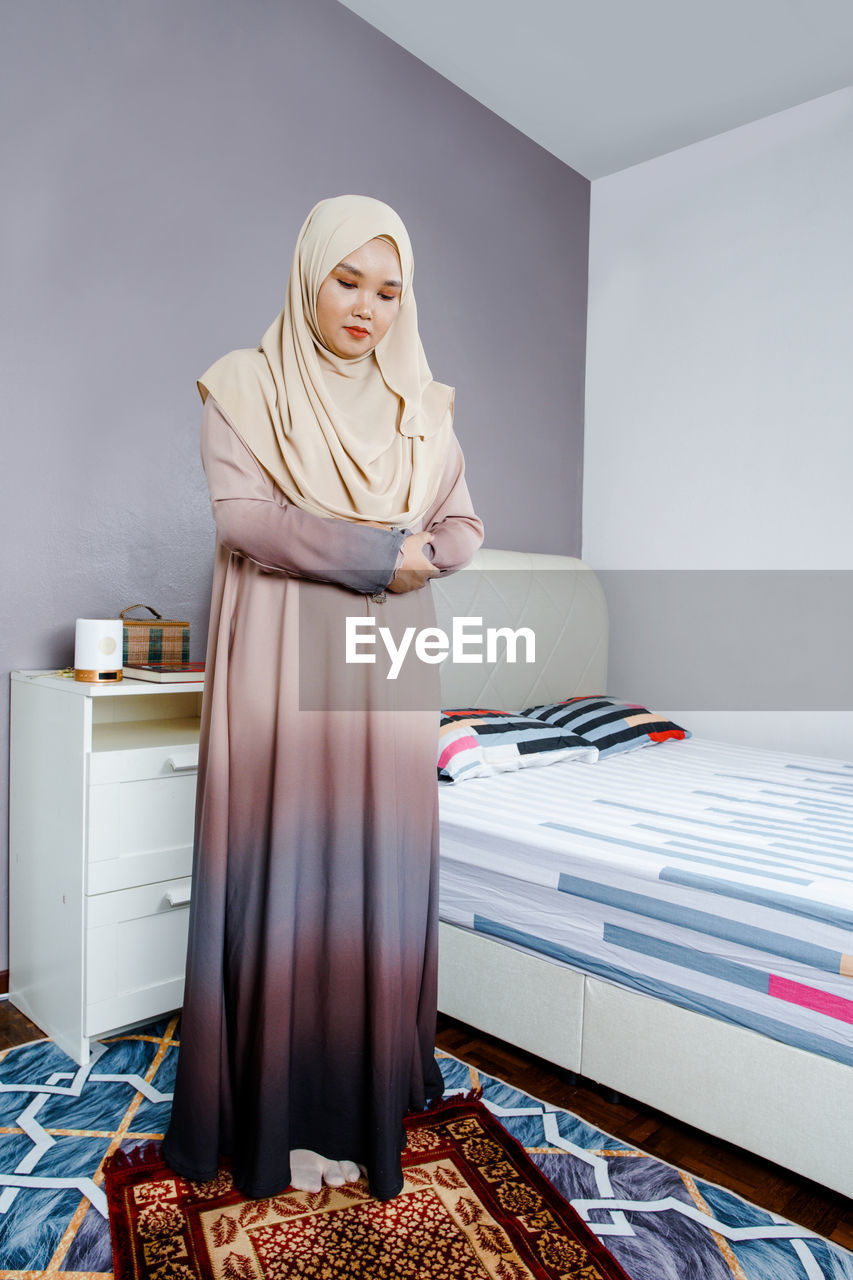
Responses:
[309,1015]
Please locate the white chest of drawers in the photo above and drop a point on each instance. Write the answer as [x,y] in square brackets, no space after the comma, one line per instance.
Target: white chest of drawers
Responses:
[102,804]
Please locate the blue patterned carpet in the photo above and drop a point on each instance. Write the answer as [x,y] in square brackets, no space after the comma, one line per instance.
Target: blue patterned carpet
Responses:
[59,1121]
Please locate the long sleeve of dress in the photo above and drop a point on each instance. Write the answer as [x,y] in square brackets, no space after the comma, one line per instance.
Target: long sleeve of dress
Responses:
[455,529]
[254,519]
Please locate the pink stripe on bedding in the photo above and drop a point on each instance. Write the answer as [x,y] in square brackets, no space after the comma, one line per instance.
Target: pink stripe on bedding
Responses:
[811,998]
[453,748]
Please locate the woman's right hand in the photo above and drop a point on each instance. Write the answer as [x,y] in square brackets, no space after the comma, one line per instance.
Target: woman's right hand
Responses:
[416,569]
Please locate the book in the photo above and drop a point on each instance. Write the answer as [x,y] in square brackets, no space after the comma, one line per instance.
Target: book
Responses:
[163,674]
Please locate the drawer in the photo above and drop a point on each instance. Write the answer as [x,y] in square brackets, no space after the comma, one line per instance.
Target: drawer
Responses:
[140,831]
[136,943]
[142,1005]
[145,749]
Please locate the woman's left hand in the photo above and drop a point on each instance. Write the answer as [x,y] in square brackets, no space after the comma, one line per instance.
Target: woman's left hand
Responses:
[416,569]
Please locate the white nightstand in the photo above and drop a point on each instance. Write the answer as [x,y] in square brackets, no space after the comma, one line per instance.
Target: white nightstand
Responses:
[103,781]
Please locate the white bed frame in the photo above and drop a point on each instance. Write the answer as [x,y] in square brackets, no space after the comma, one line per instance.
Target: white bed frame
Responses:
[787,1105]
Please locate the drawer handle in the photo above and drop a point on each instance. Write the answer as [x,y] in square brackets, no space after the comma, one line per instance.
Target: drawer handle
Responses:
[182,761]
[178,897]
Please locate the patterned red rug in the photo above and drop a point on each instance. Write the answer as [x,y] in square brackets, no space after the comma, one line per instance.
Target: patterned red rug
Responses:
[473,1207]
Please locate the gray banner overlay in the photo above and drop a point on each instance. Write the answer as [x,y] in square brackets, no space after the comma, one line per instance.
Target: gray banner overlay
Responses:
[732,640]
[715,640]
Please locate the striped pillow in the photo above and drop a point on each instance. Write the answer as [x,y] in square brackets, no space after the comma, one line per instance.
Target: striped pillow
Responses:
[474,743]
[607,723]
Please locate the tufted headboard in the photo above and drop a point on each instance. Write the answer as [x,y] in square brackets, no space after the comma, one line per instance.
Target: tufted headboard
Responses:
[559,597]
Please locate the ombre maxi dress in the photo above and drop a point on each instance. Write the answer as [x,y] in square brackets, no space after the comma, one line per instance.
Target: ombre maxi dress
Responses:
[310,1001]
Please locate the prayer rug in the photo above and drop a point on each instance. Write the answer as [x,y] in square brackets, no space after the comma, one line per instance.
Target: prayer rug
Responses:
[473,1207]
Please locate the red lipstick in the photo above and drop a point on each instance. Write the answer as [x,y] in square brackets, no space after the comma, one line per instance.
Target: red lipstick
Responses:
[355,331]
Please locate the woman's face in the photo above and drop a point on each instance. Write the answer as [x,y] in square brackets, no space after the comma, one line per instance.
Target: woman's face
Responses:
[359,299]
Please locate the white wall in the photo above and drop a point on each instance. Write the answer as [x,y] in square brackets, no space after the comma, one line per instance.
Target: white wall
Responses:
[719,390]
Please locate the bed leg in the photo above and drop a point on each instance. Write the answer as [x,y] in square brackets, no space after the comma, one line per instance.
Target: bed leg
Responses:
[612,1095]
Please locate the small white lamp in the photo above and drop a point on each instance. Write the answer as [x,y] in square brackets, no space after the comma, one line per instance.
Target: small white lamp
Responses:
[98,650]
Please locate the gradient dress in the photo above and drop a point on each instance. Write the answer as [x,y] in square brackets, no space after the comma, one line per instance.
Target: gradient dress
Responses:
[309,1014]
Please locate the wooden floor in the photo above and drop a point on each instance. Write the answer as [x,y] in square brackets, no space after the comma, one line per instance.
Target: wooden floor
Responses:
[15,1028]
[757,1180]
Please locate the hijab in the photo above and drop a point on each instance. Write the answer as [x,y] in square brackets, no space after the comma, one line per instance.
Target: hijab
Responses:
[358,439]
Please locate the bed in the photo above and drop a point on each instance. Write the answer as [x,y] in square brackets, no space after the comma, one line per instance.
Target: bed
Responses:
[673,922]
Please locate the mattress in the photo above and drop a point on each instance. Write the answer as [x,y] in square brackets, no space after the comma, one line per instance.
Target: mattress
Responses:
[712,876]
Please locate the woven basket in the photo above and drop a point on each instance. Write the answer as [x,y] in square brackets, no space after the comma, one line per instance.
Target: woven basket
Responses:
[156,641]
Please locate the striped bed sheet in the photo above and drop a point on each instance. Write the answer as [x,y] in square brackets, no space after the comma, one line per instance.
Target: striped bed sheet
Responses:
[712,876]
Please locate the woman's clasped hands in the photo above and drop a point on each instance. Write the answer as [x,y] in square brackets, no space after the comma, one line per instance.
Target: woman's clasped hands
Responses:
[415,569]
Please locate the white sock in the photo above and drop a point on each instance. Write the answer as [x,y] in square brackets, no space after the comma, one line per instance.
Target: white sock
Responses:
[309,1170]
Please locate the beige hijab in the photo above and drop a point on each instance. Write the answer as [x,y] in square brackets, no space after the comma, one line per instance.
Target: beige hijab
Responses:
[359,439]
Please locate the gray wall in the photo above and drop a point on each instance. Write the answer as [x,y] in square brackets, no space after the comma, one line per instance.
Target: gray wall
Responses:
[158,161]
